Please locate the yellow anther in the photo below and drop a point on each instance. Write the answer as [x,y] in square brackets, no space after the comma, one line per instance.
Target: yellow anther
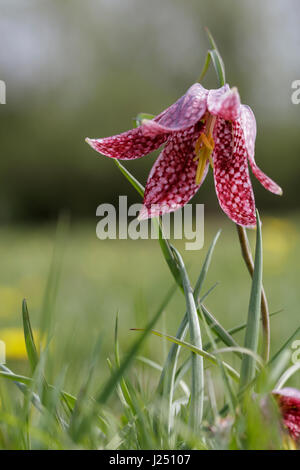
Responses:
[201,167]
[203,149]
[207,141]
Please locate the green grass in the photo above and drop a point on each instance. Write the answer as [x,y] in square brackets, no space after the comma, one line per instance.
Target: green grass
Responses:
[99,279]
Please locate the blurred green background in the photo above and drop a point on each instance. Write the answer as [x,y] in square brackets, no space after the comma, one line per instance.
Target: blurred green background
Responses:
[75,69]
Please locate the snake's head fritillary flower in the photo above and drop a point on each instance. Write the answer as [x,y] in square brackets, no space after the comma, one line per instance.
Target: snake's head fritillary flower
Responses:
[289,404]
[203,128]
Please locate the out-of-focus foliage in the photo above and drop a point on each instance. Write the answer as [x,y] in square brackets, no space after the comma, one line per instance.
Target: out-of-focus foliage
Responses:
[96,283]
[130,277]
[75,69]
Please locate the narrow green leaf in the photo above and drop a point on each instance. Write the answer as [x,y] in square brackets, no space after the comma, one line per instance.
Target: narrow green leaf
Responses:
[252,330]
[158,367]
[185,365]
[110,385]
[287,375]
[32,352]
[228,388]
[29,339]
[272,371]
[197,386]
[16,377]
[205,68]
[242,351]
[82,413]
[50,294]
[132,180]
[205,266]
[166,249]
[218,65]
[219,330]
[166,382]
[279,362]
[285,346]
[216,59]
[210,357]
[211,38]
[123,386]
[235,330]
[21,381]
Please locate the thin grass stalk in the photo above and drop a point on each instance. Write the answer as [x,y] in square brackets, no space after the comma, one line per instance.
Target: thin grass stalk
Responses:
[252,330]
[197,386]
[247,256]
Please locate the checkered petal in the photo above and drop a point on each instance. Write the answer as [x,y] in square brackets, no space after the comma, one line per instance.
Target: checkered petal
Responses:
[186,112]
[231,174]
[129,145]
[248,123]
[289,404]
[171,183]
[224,103]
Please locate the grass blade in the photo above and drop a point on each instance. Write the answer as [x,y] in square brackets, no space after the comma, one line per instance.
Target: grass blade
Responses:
[166,384]
[51,290]
[132,180]
[205,266]
[216,59]
[287,375]
[29,339]
[285,346]
[21,381]
[252,330]
[226,381]
[168,372]
[218,329]
[197,386]
[236,329]
[210,357]
[118,374]
[205,67]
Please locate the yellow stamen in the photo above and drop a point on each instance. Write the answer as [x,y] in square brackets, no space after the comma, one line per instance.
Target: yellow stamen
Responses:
[203,149]
[207,141]
[201,167]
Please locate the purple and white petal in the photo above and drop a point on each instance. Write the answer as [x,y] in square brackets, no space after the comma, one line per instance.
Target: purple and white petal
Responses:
[171,183]
[128,145]
[289,403]
[248,123]
[186,112]
[224,103]
[231,174]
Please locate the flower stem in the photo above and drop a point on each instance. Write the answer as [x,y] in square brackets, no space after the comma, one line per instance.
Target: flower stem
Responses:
[247,256]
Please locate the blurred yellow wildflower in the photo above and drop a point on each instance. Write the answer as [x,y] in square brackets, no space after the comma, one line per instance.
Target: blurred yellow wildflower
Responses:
[279,237]
[14,341]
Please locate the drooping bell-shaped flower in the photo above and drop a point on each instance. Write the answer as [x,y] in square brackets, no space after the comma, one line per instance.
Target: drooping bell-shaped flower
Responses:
[289,404]
[203,128]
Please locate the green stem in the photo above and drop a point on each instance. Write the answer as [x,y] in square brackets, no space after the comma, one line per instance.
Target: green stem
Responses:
[247,256]
[197,388]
